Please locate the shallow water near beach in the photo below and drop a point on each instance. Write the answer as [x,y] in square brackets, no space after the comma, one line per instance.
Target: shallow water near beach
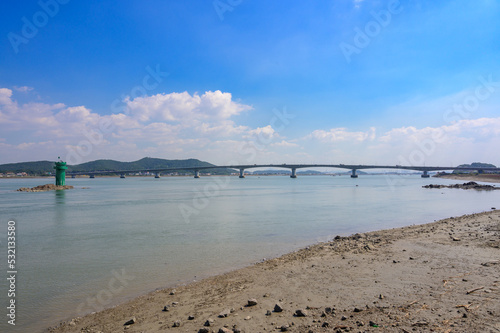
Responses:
[111,239]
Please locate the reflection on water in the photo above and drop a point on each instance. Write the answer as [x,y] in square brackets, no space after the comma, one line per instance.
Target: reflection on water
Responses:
[60,207]
[70,242]
[60,196]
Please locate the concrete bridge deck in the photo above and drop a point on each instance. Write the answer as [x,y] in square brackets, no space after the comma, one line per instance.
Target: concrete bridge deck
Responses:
[293,167]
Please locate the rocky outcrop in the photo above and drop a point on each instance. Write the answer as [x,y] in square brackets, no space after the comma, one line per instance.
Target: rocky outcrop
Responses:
[465,186]
[45,188]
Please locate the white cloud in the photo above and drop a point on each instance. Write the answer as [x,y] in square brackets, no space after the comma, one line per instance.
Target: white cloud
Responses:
[180,125]
[183,107]
[284,143]
[175,125]
[342,134]
[263,133]
[224,128]
[23,88]
[357,3]
[466,128]
[5,95]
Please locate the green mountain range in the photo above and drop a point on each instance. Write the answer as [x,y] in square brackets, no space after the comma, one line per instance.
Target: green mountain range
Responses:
[41,168]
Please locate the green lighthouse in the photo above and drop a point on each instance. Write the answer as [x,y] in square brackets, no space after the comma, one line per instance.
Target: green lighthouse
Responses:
[60,172]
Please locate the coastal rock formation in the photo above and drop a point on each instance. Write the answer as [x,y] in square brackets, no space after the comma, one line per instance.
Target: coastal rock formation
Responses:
[465,186]
[45,188]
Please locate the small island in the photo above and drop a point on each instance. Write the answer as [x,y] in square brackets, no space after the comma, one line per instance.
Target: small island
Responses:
[465,186]
[45,188]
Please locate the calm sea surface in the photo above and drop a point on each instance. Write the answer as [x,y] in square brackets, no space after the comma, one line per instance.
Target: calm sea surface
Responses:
[111,239]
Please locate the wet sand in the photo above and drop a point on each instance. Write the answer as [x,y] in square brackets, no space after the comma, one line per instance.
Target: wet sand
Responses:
[437,277]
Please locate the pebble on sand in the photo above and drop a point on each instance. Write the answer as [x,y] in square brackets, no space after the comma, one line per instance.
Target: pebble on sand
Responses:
[252,302]
[224,313]
[130,322]
[301,313]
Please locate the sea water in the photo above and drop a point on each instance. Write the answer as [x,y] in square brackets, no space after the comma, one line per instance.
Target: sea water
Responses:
[110,239]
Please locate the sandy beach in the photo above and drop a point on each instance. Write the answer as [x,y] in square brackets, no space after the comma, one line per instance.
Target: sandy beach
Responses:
[489,178]
[436,277]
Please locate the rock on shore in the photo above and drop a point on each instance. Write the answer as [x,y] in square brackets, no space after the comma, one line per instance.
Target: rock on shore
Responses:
[45,188]
[465,186]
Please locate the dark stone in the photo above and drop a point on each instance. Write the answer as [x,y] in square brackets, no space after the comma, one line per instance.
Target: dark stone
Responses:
[301,313]
[130,322]
[278,307]
[252,302]
[224,313]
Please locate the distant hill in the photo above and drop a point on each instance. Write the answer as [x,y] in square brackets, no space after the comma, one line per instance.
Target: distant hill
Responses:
[31,168]
[474,165]
[46,167]
[270,172]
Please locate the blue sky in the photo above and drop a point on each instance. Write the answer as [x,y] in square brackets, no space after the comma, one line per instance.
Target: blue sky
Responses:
[347,81]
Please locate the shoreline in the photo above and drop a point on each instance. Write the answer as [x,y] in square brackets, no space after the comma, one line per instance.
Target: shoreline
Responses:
[399,279]
[476,178]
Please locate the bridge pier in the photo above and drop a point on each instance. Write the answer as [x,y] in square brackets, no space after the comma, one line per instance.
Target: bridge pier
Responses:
[353,173]
[242,173]
[196,173]
[294,173]
[157,175]
[425,174]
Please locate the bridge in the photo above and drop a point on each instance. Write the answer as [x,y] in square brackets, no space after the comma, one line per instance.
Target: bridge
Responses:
[293,167]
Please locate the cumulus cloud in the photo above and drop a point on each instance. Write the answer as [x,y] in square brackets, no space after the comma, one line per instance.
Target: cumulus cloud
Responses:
[460,142]
[177,123]
[342,134]
[183,107]
[267,133]
[5,95]
[466,128]
[224,128]
[205,126]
